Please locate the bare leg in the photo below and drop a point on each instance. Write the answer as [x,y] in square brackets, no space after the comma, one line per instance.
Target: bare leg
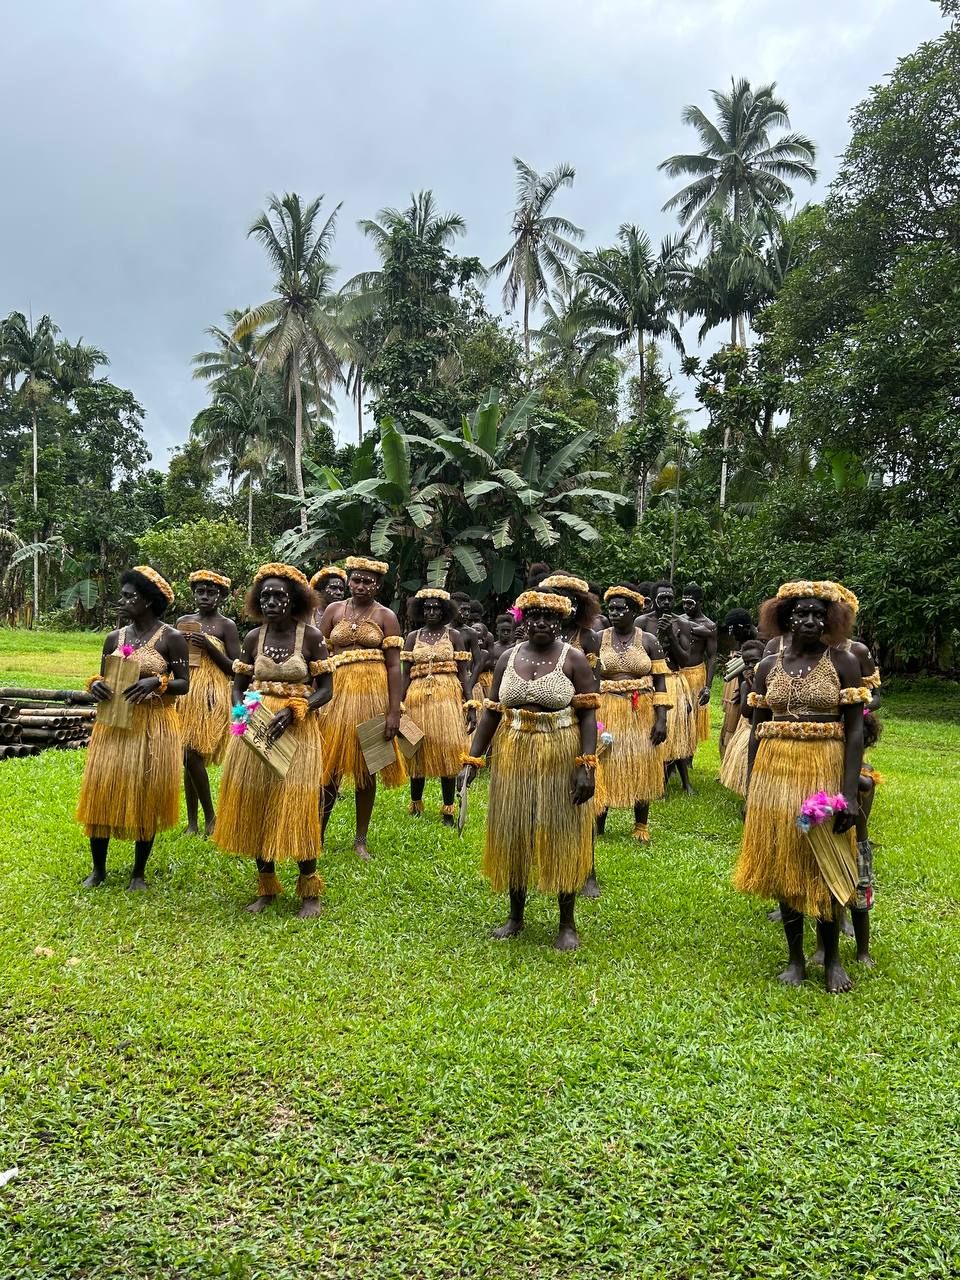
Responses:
[365,801]
[98,853]
[861,931]
[835,976]
[141,852]
[309,887]
[448,790]
[641,831]
[190,794]
[268,887]
[197,772]
[416,796]
[684,776]
[567,938]
[796,970]
[602,821]
[327,800]
[514,924]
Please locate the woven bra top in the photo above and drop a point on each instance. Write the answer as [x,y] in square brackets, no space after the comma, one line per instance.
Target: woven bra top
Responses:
[552,691]
[442,651]
[292,670]
[152,662]
[362,634]
[632,661]
[817,693]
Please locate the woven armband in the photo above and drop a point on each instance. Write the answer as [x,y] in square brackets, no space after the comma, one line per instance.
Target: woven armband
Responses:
[242,668]
[474,704]
[477,762]
[757,700]
[589,761]
[872,681]
[592,659]
[407,655]
[490,705]
[662,700]
[161,688]
[392,642]
[320,667]
[461,655]
[299,707]
[851,696]
[91,681]
[580,700]
[659,667]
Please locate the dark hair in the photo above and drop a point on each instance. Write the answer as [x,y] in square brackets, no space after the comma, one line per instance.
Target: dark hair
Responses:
[158,602]
[596,589]
[738,618]
[646,590]
[752,646]
[303,600]
[536,572]
[415,610]
[505,617]
[872,729]
[461,597]
[775,618]
[693,591]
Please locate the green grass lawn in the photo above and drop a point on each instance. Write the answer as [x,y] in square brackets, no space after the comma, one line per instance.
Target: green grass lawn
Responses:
[191,1092]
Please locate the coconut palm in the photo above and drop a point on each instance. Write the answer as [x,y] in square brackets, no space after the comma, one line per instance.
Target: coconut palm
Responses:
[77,362]
[299,322]
[542,243]
[741,170]
[740,273]
[230,352]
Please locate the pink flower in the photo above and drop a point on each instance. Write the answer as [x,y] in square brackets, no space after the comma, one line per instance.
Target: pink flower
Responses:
[515,613]
[238,727]
[126,650]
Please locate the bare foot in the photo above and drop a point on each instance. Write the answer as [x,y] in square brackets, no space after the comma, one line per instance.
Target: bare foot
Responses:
[309,908]
[846,927]
[191,829]
[361,850]
[837,978]
[688,789]
[817,958]
[775,916]
[508,930]
[260,904]
[447,820]
[137,884]
[94,879]
[866,959]
[567,939]
[793,975]
[590,887]
[208,826]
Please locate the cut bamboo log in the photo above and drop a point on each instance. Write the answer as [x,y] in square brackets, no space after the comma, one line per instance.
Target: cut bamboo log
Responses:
[74,697]
[43,735]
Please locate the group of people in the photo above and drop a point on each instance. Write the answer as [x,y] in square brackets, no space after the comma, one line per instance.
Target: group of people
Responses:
[579,701]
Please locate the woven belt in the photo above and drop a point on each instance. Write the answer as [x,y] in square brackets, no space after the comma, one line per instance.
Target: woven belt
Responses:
[347,656]
[419,670]
[538,721]
[808,730]
[643,684]
[282,689]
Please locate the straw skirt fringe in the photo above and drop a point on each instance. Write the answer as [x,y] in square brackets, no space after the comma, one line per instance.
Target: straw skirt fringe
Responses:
[536,836]
[435,705]
[483,685]
[733,769]
[359,693]
[262,815]
[776,860]
[631,771]
[131,781]
[681,740]
[696,678]
[205,712]
[731,712]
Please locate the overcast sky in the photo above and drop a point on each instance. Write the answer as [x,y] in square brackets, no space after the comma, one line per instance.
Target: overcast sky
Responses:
[139,140]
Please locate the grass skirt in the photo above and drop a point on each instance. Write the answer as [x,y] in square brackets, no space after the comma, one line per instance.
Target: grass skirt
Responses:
[131,782]
[733,770]
[536,836]
[483,686]
[681,740]
[631,771]
[731,712]
[776,860]
[205,712]
[435,705]
[696,678]
[262,815]
[359,694]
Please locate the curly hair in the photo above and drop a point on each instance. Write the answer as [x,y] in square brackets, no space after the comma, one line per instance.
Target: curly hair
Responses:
[152,594]
[872,729]
[537,572]
[304,601]
[693,591]
[737,618]
[775,619]
[448,611]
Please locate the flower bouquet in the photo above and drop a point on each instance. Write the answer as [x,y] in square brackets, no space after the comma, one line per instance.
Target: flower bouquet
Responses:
[834,853]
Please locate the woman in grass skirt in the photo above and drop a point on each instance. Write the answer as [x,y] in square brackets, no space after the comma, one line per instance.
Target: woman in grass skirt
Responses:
[733,766]
[261,814]
[436,696]
[539,819]
[807,736]
[131,780]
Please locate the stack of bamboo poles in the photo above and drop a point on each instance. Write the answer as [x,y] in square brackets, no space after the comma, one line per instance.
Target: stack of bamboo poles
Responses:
[31,719]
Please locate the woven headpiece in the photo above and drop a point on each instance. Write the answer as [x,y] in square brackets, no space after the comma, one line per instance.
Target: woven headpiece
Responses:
[278,570]
[432,593]
[328,571]
[151,575]
[544,600]
[849,598]
[563,582]
[207,575]
[804,588]
[379,567]
[626,594]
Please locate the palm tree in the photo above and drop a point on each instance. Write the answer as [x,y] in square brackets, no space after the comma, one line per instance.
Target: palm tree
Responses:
[542,243]
[740,273]
[740,170]
[256,462]
[299,321]
[76,364]
[31,350]
[230,353]
[629,295]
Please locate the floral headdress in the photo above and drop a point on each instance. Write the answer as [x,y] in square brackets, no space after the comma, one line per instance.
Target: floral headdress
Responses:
[849,598]
[278,570]
[207,575]
[822,589]
[151,575]
[544,600]
[379,567]
[563,582]
[626,593]
[328,571]
[432,593]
